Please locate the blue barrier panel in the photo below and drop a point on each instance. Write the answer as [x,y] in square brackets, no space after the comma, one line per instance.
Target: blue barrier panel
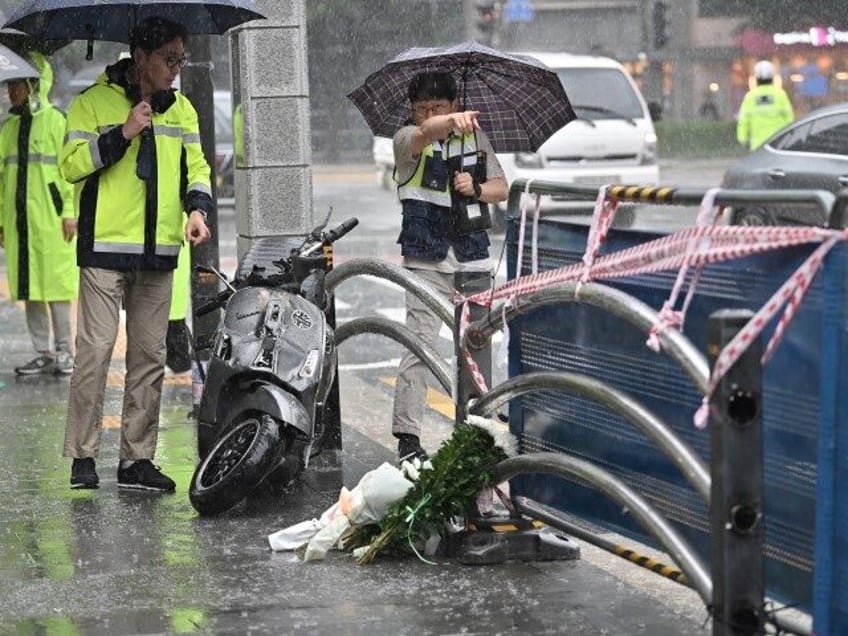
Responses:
[805,396]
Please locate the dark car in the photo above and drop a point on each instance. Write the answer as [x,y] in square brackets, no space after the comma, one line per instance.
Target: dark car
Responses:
[809,154]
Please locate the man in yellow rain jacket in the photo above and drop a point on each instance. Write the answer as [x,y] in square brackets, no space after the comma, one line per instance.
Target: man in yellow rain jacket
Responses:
[133,152]
[764,110]
[37,223]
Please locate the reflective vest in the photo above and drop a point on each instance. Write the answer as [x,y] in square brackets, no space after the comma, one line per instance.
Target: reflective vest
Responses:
[128,221]
[427,230]
[764,110]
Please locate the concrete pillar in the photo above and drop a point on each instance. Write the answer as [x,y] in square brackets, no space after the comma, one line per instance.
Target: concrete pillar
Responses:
[273,178]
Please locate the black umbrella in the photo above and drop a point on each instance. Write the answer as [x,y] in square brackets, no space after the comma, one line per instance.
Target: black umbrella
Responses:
[113,20]
[521,101]
[20,41]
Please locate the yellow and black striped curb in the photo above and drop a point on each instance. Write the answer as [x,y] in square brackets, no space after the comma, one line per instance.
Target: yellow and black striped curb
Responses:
[642,193]
[648,563]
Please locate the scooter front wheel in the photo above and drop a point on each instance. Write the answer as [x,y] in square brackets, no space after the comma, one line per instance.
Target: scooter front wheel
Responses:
[237,463]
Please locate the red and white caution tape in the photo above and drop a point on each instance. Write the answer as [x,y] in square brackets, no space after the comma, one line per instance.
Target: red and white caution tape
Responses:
[694,247]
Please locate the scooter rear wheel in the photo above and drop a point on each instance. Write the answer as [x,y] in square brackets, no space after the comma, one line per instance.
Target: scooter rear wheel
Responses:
[237,463]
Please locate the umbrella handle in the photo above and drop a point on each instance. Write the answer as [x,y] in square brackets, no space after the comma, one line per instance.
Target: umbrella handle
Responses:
[89,50]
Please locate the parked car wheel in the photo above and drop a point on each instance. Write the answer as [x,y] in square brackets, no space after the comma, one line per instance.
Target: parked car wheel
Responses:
[754,216]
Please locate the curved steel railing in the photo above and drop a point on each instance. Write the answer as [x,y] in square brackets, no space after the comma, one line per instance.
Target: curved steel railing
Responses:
[616,302]
[396,274]
[400,334]
[678,451]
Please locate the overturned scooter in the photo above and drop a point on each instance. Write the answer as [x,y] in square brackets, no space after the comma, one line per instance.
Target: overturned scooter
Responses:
[273,361]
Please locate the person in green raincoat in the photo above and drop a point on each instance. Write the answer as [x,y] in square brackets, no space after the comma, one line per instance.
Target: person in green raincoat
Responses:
[37,221]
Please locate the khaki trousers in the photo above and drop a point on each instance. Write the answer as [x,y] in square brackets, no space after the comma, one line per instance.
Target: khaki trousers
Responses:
[411,387]
[146,296]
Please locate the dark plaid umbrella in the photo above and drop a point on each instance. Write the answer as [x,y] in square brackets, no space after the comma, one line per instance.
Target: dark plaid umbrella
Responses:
[521,101]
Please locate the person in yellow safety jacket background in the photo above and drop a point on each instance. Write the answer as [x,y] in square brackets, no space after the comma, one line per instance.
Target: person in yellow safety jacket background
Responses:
[764,110]
[37,223]
[133,152]
[178,340]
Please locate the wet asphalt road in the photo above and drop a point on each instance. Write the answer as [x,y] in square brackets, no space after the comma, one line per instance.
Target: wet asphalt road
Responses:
[110,562]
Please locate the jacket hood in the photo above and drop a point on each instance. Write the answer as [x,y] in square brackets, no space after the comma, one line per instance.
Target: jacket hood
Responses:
[45,83]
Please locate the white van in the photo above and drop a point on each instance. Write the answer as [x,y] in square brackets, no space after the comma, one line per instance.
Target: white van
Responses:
[611,141]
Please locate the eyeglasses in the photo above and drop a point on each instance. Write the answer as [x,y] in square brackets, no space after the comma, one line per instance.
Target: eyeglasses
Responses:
[172,60]
[437,108]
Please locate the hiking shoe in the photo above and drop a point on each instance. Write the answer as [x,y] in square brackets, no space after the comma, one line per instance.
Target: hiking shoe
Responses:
[409,447]
[143,475]
[64,364]
[83,474]
[43,364]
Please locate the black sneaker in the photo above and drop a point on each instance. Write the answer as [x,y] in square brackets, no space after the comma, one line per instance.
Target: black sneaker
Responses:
[143,475]
[40,365]
[409,447]
[83,474]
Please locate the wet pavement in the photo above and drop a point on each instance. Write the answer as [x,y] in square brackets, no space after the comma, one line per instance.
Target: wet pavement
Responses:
[112,562]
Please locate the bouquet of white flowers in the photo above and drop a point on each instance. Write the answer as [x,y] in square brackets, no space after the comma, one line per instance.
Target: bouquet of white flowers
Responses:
[443,490]
[408,508]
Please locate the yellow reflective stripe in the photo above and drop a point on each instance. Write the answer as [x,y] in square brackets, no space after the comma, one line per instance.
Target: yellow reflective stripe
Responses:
[167,250]
[80,134]
[91,140]
[120,248]
[160,130]
[33,157]
[134,248]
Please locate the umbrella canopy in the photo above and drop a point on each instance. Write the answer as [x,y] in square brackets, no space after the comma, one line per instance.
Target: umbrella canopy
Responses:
[20,41]
[13,66]
[521,101]
[113,20]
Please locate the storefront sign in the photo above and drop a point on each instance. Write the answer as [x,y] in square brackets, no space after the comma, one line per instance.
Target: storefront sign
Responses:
[817,36]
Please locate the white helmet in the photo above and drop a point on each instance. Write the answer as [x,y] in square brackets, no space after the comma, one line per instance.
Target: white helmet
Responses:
[764,70]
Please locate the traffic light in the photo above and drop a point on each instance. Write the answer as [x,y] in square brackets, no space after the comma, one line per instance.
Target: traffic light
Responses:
[486,21]
[661,26]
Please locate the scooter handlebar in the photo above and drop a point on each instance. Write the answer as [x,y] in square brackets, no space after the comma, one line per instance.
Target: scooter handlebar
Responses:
[331,235]
[218,302]
[340,230]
